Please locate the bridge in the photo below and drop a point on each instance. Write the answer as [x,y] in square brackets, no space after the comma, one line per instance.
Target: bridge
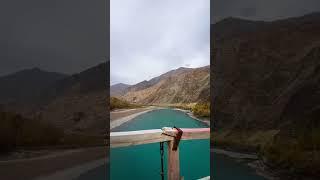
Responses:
[170,135]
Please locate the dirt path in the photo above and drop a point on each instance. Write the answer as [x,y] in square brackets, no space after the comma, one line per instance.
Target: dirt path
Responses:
[43,166]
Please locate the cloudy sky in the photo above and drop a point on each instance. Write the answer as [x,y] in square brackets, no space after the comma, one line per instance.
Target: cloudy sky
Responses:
[267,10]
[151,37]
[65,36]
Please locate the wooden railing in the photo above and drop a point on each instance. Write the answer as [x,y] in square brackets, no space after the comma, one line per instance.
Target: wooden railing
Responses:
[166,134]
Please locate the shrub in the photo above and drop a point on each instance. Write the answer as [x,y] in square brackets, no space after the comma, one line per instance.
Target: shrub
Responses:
[116,103]
[202,109]
[17,131]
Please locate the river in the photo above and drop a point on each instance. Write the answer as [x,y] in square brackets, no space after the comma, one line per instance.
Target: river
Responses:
[143,161]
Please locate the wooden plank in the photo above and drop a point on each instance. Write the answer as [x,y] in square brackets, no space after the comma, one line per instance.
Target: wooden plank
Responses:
[189,133]
[131,138]
[173,163]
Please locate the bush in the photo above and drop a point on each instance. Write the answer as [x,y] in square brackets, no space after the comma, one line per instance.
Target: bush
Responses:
[17,131]
[116,103]
[202,109]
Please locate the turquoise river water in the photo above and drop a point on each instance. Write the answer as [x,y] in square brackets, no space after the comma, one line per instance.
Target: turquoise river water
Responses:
[143,161]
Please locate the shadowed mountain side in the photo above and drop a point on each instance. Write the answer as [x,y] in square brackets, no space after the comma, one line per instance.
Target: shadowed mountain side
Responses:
[26,86]
[266,88]
[79,102]
[76,103]
[257,74]
[91,80]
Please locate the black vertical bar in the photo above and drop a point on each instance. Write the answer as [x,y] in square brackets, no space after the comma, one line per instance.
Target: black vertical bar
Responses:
[161,155]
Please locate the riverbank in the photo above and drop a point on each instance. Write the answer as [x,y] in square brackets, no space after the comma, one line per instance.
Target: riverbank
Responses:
[190,114]
[55,162]
[117,118]
[252,160]
[233,154]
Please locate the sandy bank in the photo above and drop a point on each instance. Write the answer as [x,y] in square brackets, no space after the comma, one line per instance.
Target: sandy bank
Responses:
[66,164]
[254,162]
[125,117]
[75,172]
[190,114]
[234,154]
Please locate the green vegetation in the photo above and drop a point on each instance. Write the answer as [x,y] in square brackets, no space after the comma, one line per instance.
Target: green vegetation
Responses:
[17,131]
[116,103]
[202,109]
[298,155]
[20,132]
[250,141]
[182,106]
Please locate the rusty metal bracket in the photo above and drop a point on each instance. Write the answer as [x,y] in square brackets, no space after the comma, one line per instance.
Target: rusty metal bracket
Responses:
[176,135]
[177,139]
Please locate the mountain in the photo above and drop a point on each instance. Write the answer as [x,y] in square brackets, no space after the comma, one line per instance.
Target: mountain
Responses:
[266,88]
[26,85]
[90,80]
[261,70]
[76,103]
[118,89]
[233,27]
[182,85]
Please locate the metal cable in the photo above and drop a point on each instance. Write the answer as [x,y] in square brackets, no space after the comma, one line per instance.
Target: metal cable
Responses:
[161,155]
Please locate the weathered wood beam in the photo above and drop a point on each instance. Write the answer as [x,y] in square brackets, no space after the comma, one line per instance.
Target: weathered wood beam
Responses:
[173,162]
[131,138]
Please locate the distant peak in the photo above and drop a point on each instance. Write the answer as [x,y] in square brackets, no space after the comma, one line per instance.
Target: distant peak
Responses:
[234,19]
[183,68]
[120,84]
[36,69]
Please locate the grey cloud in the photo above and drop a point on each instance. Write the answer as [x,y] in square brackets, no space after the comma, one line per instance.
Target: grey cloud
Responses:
[149,38]
[63,36]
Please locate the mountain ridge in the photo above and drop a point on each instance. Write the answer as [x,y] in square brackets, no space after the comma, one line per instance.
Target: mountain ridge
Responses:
[76,103]
[171,87]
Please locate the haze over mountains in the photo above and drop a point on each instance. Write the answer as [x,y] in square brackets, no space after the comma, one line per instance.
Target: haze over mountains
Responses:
[72,102]
[266,86]
[182,85]
[118,89]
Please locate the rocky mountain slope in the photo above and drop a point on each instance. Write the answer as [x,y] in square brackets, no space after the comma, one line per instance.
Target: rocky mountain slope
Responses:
[266,86]
[82,100]
[76,103]
[26,85]
[183,85]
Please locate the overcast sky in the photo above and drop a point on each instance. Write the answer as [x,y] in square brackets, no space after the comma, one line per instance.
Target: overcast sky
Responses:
[57,35]
[267,10]
[151,37]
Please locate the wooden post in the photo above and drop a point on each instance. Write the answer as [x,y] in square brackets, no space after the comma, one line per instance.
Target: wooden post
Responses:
[173,162]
